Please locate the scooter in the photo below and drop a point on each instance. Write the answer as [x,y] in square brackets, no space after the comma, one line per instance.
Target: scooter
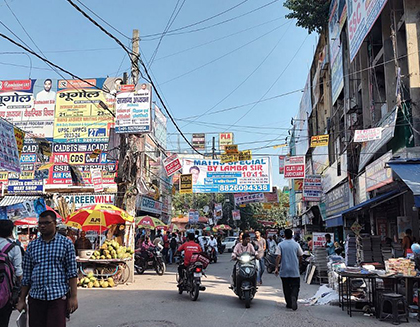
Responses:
[191,281]
[244,278]
[270,262]
[154,260]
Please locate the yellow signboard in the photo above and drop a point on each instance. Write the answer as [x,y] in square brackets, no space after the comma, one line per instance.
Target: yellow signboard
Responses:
[298,185]
[231,149]
[245,155]
[319,140]
[20,136]
[185,184]
[226,158]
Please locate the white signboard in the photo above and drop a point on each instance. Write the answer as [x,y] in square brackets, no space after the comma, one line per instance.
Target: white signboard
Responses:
[148,205]
[133,111]
[366,135]
[213,176]
[97,181]
[83,200]
[319,240]
[312,188]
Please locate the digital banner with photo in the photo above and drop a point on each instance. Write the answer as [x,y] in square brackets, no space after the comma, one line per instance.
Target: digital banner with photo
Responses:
[213,176]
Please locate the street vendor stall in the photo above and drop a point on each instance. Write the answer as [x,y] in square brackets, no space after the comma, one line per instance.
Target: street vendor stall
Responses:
[106,265]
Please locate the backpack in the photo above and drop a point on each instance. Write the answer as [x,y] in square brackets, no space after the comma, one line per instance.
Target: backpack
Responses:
[7,275]
[173,243]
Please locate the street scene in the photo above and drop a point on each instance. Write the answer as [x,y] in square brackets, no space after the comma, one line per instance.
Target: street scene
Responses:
[183,163]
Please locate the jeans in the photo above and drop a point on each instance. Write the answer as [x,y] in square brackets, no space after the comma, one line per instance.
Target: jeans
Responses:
[5,313]
[261,268]
[171,255]
[47,313]
[291,288]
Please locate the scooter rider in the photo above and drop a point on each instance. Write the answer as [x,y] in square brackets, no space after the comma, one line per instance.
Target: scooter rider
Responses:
[189,249]
[212,243]
[244,246]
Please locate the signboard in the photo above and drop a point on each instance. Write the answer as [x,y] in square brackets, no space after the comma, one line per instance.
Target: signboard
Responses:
[294,167]
[318,240]
[172,164]
[81,200]
[236,215]
[240,156]
[148,205]
[361,18]
[225,139]
[361,195]
[96,175]
[213,176]
[20,139]
[244,198]
[193,216]
[376,173]
[218,211]
[320,160]
[25,209]
[272,197]
[312,188]
[319,140]
[133,111]
[337,200]
[231,149]
[298,185]
[159,127]
[186,184]
[365,135]
[338,15]
[370,148]
[9,154]
[281,164]
[199,141]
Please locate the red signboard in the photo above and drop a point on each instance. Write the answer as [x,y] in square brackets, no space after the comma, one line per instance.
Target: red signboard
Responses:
[294,167]
[172,164]
[23,85]
[281,164]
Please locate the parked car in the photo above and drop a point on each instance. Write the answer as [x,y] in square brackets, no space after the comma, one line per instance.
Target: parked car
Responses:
[230,243]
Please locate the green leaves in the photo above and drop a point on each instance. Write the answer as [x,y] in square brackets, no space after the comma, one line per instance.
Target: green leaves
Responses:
[310,14]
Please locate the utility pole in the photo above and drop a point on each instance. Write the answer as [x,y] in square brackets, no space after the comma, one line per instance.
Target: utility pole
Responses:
[213,196]
[129,154]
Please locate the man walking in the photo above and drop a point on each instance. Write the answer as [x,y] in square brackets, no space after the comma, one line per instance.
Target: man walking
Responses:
[262,245]
[289,255]
[49,276]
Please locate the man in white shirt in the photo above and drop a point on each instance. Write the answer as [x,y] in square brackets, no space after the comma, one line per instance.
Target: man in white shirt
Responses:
[46,94]
[212,243]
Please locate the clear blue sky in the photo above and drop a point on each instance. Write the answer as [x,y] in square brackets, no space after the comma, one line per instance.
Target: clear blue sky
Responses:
[256,55]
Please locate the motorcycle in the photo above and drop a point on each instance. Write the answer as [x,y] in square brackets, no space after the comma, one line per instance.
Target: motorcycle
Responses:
[306,260]
[211,252]
[270,262]
[221,247]
[191,281]
[244,278]
[154,260]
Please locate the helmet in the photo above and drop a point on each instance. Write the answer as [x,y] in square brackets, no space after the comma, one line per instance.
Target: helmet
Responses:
[416,248]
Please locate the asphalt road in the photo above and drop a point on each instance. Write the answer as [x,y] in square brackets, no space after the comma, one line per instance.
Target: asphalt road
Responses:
[153,301]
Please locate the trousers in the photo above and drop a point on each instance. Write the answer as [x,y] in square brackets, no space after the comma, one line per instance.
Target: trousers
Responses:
[291,288]
[5,313]
[47,313]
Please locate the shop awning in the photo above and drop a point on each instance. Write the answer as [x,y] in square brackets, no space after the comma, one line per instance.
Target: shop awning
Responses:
[409,172]
[371,201]
[334,221]
[10,200]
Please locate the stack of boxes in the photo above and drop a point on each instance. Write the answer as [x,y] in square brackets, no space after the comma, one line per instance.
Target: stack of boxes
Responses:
[351,252]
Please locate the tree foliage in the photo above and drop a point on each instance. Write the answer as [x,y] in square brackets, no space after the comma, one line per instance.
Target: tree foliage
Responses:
[310,14]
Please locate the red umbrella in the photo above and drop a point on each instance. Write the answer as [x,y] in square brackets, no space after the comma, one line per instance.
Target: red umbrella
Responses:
[26,222]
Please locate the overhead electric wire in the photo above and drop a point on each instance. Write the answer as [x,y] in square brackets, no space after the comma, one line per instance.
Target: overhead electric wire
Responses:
[142,64]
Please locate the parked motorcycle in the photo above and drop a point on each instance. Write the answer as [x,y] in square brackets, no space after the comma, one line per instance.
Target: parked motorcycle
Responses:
[306,260]
[270,262]
[191,281]
[244,278]
[153,261]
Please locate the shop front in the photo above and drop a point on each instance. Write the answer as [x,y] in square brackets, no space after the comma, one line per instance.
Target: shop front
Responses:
[337,200]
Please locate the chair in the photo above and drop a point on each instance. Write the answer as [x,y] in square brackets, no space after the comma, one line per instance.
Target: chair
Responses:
[393,306]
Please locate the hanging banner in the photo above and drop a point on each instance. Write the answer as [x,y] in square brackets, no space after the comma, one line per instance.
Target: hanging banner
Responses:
[9,154]
[213,176]
[20,138]
[218,211]
[244,198]
[294,167]
[298,185]
[172,164]
[281,164]
[25,209]
[97,182]
[366,135]
[199,141]
[193,217]
[225,139]
[186,184]
[312,188]
[236,215]
[361,15]
[319,140]
[133,111]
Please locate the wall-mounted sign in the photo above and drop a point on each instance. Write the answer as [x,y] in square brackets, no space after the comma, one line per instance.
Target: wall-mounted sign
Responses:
[376,173]
[366,135]
[148,205]
[312,188]
[186,183]
[337,200]
[172,164]
[294,167]
[319,140]
[225,139]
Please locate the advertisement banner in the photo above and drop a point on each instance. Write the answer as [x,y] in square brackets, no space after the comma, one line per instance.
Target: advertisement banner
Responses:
[312,188]
[231,148]
[337,200]
[361,194]
[133,112]
[298,185]
[236,215]
[9,154]
[81,200]
[225,139]
[319,240]
[361,16]
[20,139]
[319,140]
[148,205]
[218,211]
[159,127]
[172,164]
[213,176]
[376,173]
[193,217]
[244,198]
[366,135]
[97,182]
[186,184]
[294,167]
[281,164]
[26,209]
[199,141]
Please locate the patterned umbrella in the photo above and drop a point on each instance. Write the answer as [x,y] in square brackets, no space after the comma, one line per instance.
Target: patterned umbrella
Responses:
[150,222]
[26,222]
[222,227]
[97,217]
